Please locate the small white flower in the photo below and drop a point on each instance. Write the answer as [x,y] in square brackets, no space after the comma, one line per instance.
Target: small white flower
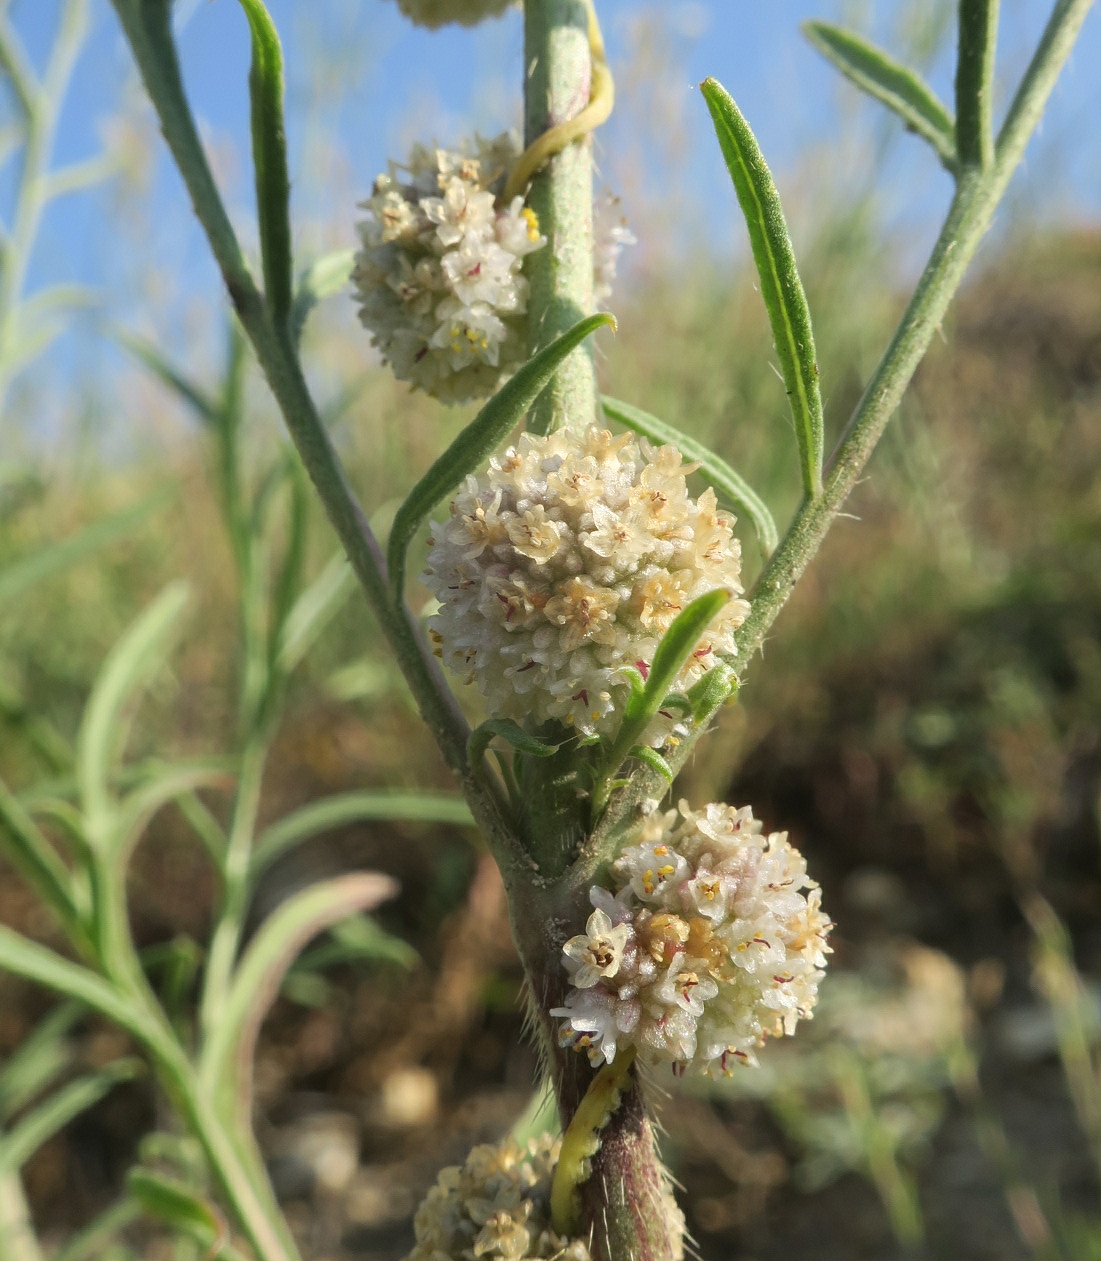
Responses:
[598,952]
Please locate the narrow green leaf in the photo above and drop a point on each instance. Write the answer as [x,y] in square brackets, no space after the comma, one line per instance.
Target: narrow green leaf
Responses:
[269,158]
[325,276]
[42,966]
[171,782]
[314,610]
[889,82]
[32,855]
[140,653]
[176,1206]
[677,645]
[227,1058]
[975,82]
[521,740]
[39,1060]
[781,288]
[653,759]
[358,939]
[478,440]
[716,687]
[732,489]
[352,807]
[55,558]
[43,1122]
[151,357]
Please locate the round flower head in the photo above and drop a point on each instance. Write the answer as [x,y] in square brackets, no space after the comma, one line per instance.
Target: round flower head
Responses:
[438,275]
[433,13]
[496,1205]
[713,941]
[565,564]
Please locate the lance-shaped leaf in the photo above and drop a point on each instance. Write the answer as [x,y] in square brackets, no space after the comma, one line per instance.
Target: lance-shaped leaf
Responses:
[781,288]
[313,610]
[677,645]
[478,440]
[176,1206]
[170,783]
[324,277]
[975,82]
[39,1125]
[55,558]
[522,741]
[42,966]
[39,1060]
[133,661]
[353,807]
[269,159]
[227,1058]
[22,841]
[732,489]
[151,357]
[891,83]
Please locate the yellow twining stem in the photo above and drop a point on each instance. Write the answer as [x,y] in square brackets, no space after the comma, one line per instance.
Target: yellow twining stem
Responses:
[581,1141]
[601,100]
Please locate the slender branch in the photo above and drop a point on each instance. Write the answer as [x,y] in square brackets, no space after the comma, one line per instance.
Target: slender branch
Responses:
[976,199]
[972,209]
[147,27]
[975,82]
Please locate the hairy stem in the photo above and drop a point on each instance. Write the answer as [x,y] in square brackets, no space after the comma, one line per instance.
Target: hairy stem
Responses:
[558,68]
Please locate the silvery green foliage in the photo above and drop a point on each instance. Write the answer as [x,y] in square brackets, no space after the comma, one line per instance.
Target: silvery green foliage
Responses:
[434,13]
[713,941]
[566,562]
[438,277]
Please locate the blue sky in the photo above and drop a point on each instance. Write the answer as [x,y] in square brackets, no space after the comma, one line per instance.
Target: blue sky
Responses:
[360,75]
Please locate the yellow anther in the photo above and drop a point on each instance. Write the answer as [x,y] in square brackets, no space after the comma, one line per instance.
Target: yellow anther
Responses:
[532,222]
[661,850]
[667,870]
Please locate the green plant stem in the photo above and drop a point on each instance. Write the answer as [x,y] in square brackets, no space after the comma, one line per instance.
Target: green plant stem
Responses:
[556,88]
[975,82]
[148,30]
[41,104]
[977,196]
[235,886]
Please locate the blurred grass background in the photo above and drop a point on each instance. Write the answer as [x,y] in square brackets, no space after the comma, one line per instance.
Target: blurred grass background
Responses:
[926,720]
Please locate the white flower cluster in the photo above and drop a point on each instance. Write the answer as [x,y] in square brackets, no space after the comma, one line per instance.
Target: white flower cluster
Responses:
[610,235]
[433,13]
[438,276]
[708,946]
[566,563]
[496,1205]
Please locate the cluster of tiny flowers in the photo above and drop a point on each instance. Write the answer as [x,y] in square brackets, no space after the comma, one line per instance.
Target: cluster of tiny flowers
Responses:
[713,941]
[565,564]
[433,13]
[610,235]
[495,1205]
[438,276]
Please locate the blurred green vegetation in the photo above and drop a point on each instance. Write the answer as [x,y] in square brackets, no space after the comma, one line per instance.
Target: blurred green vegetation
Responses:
[926,720]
